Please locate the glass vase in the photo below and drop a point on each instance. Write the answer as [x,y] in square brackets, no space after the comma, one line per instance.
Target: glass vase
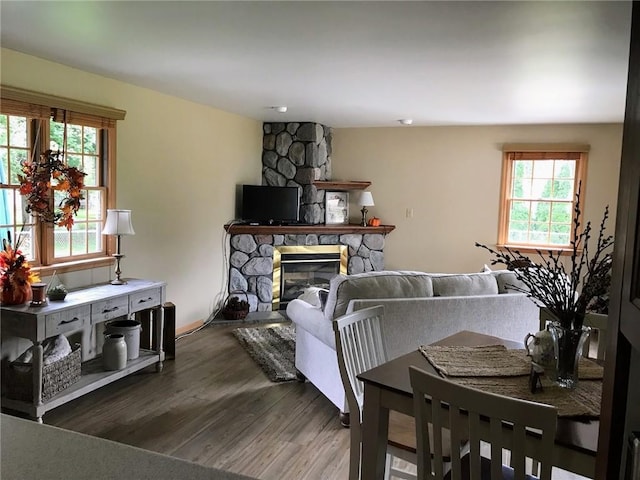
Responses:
[567,344]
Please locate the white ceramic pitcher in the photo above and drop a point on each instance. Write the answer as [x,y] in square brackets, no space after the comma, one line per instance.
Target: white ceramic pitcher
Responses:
[540,348]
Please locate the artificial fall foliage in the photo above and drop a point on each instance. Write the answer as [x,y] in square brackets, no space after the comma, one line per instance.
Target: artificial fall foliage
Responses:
[40,179]
[15,271]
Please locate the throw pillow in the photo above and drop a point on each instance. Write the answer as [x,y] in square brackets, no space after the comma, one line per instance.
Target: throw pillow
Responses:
[462,285]
[379,284]
[507,280]
[315,296]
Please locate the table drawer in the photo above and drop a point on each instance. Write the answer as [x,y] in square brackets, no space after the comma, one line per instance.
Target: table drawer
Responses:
[67,320]
[109,309]
[145,299]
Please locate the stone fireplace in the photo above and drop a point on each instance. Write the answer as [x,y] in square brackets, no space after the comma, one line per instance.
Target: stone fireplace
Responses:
[298,154]
[251,268]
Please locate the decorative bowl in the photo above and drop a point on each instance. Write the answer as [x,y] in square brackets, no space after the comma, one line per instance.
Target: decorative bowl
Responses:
[56,296]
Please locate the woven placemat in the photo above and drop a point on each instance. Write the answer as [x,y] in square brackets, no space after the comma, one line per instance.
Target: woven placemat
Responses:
[492,361]
[583,401]
[484,361]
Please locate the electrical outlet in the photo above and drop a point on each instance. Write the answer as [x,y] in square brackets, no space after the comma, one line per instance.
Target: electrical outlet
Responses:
[409,213]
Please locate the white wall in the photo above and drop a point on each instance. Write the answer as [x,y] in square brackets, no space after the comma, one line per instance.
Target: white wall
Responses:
[179,164]
[178,167]
[450,177]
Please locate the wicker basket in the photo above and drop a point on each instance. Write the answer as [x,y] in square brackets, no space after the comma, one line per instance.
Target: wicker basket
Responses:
[55,377]
[229,314]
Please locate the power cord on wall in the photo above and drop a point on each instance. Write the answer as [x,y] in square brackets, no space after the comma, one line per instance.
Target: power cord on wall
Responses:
[220,297]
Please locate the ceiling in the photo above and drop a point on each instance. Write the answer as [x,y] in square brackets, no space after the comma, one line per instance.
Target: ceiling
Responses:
[349,63]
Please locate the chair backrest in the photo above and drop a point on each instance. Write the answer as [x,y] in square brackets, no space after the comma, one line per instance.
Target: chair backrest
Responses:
[359,346]
[599,323]
[479,416]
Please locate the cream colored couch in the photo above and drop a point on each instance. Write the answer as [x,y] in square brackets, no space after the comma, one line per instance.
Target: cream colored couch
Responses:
[420,308]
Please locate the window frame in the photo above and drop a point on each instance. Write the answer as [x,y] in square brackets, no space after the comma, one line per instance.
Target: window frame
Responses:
[539,152]
[39,107]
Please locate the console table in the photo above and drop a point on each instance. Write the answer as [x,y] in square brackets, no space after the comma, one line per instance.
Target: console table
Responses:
[81,311]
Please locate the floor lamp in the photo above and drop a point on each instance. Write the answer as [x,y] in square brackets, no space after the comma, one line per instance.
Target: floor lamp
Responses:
[118,223]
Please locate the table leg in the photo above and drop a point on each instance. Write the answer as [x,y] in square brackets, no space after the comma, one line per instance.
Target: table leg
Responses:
[37,362]
[37,373]
[375,429]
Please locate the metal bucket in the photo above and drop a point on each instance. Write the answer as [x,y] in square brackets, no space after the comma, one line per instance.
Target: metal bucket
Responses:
[131,331]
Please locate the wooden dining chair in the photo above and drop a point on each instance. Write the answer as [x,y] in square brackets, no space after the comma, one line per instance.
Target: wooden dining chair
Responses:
[596,345]
[481,416]
[360,347]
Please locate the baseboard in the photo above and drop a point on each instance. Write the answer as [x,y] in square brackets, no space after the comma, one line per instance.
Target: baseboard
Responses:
[189,328]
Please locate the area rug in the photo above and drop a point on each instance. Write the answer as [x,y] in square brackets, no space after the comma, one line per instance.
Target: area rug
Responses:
[272,348]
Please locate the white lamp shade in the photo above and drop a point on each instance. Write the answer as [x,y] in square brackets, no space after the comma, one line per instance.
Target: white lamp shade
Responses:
[366,199]
[118,223]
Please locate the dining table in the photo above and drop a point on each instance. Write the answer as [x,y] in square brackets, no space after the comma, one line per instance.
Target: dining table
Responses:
[387,387]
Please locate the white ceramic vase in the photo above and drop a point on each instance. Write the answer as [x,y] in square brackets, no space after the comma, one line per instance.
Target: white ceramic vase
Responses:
[114,352]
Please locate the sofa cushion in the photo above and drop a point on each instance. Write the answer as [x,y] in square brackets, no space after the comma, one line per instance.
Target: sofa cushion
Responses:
[382,284]
[507,280]
[464,284]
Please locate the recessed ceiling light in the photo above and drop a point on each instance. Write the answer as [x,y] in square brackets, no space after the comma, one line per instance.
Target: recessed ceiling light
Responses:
[406,121]
[280,108]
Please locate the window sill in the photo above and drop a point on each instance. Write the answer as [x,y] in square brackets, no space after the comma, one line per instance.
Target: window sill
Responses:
[74,266]
[531,249]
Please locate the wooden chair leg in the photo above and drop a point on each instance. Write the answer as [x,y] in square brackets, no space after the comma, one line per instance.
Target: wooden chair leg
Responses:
[345,419]
[355,452]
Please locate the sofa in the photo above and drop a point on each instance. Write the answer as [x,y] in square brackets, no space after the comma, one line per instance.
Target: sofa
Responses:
[419,308]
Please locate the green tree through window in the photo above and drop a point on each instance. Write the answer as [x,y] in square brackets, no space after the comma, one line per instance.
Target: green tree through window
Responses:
[537,198]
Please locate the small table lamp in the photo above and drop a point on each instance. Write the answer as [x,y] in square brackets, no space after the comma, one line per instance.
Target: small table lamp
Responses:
[118,223]
[365,200]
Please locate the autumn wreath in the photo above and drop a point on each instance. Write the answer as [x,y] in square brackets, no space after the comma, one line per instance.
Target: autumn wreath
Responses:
[40,179]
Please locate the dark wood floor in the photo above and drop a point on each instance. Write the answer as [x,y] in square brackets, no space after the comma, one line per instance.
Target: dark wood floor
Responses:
[214,406]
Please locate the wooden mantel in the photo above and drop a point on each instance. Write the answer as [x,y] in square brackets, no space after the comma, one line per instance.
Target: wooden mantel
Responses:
[320,229]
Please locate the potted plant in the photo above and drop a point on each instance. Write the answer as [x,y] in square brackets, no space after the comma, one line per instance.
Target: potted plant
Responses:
[16,276]
[567,293]
[57,292]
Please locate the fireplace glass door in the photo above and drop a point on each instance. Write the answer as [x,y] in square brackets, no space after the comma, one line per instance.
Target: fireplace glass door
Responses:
[296,268]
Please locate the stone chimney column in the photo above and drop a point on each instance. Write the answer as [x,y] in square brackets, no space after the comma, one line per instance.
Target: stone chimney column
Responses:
[297,154]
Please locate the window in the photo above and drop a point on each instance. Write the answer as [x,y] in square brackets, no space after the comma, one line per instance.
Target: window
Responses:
[87,137]
[539,184]
[83,152]
[15,149]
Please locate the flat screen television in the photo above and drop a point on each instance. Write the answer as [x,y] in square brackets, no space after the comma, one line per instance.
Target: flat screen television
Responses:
[268,205]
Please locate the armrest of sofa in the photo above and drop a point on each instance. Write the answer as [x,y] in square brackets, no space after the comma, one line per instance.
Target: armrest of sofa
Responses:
[311,319]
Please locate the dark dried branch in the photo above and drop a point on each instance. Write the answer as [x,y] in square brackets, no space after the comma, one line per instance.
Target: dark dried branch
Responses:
[567,295]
